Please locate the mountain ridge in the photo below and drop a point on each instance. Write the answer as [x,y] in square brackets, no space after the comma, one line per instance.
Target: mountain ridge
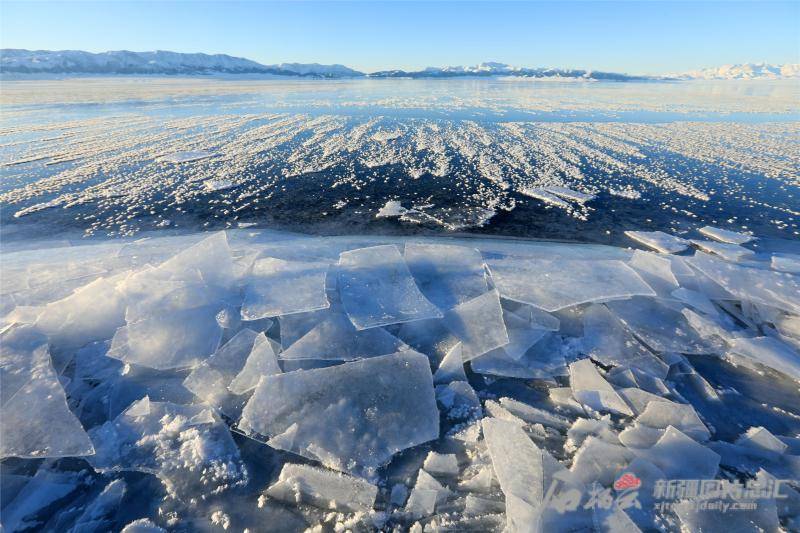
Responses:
[744,71]
[501,69]
[161,62]
[21,61]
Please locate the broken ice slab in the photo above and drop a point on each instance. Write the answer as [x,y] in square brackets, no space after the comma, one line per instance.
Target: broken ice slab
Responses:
[187,446]
[441,463]
[749,459]
[711,328]
[661,415]
[147,296]
[426,481]
[554,285]
[759,438]
[767,287]
[766,351]
[659,241]
[276,287]
[335,338]
[695,280]
[91,363]
[99,515]
[35,274]
[544,360]
[209,381]
[41,491]
[633,377]
[451,219]
[660,325]
[522,333]
[681,457]
[534,415]
[606,340]
[655,270]
[261,361]
[590,389]
[186,156]
[638,399]
[475,506]
[179,339]
[18,344]
[695,299]
[447,275]
[639,436]
[729,252]
[480,476]
[421,503]
[351,417]
[562,398]
[545,196]
[518,465]
[478,323]
[377,288]
[211,257]
[583,428]
[724,235]
[293,327]
[788,326]
[459,399]
[426,495]
[759,313]
[430,337]
[20,314]
[91,313]
[452,367]
[786,263]
[496,410]
[534,317]
[36,420]
[322,488]
[600,461]
[569,194]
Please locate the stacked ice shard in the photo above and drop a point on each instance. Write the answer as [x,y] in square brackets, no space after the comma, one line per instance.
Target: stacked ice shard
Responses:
[351,417]
[235,380]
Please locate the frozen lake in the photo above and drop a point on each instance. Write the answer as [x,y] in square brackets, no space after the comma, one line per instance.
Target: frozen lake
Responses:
[424,351]
[537,159]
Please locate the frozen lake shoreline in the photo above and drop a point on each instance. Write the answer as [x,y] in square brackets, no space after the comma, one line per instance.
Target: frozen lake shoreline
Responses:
[257,377]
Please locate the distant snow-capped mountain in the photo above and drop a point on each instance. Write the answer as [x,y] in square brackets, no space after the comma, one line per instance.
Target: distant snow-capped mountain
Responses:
[315,69]
[501,69]
[745,71]
[159,62]
[22,62]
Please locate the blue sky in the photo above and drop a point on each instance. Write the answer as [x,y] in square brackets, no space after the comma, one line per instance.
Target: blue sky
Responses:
[635,37]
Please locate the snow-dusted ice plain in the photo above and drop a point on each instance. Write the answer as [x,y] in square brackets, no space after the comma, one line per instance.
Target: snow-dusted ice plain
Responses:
[582,161]
[406,305]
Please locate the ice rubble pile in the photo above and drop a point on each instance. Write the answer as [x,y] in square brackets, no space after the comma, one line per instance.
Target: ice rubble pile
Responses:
[372,383]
